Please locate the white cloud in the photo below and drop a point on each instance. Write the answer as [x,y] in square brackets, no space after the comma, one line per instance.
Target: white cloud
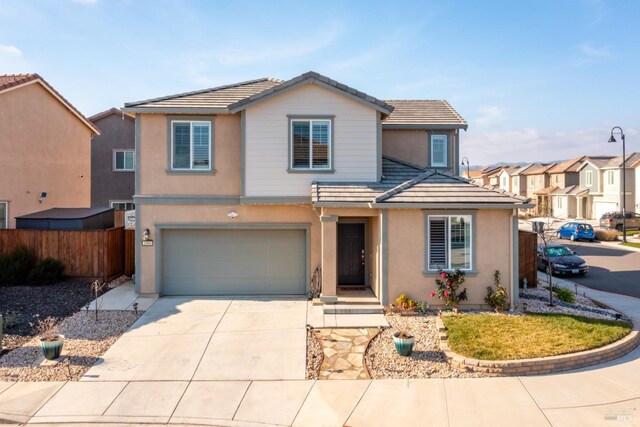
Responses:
[531,145]
[593,52]
[9,50]
[489,116]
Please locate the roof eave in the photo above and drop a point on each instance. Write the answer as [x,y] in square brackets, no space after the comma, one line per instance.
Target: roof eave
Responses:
[176,110]
[426,126]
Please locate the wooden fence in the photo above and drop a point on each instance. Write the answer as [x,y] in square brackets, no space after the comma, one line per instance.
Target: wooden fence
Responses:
[129,252]
[527,242]
[86,253]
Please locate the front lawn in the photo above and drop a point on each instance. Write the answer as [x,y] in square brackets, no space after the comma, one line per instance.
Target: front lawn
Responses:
[631,244]
[504,337]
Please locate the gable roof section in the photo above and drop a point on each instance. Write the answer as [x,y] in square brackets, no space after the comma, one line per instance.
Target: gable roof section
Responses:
[616,162]
[423,114]
[212,100]
[573,190]
[405,185]
[15,81]
[597,162]
[537,169]
[109,112]
[570,165]
[311,77]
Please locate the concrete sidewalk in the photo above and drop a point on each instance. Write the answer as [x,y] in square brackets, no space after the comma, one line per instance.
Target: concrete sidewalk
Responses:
[605,395]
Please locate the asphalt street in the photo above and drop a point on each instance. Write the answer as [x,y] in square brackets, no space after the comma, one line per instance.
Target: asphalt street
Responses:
[610,269]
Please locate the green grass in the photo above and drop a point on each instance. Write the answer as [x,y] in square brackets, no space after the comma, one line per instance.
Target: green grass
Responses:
[629,232]
[503,337]
[631,244]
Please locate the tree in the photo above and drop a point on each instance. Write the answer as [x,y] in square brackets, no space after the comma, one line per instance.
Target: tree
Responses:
[539,228]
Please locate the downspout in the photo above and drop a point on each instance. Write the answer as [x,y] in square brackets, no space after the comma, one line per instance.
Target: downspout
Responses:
[515,265]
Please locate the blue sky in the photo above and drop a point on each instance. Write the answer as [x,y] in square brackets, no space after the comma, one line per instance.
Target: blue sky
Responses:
[536,80]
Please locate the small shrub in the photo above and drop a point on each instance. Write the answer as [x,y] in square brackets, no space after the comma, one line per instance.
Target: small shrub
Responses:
[497,299]
[422,306]
[46,272]
[606,235]
[564,295]
[405,303]
[15,266]
[447,285]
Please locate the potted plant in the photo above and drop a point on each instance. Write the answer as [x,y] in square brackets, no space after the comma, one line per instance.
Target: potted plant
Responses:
[403,341]
[51,345]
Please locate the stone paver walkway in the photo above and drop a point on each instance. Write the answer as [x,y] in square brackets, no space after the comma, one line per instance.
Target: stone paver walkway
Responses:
[344,352]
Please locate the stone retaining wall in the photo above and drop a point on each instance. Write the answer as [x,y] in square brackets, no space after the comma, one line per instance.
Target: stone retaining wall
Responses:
[542,365]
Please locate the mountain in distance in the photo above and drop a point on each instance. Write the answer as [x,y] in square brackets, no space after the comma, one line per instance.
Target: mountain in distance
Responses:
[479,167]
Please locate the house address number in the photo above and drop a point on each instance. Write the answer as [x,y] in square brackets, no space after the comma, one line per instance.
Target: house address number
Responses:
[147,243]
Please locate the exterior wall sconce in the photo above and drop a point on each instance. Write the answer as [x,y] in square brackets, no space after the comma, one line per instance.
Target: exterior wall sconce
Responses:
[232,215]
[42,197]
[146,234]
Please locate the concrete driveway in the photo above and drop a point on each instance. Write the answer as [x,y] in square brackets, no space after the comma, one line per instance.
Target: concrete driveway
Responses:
[184,339]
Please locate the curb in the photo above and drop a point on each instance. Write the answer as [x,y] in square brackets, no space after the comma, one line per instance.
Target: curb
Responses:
[540,365]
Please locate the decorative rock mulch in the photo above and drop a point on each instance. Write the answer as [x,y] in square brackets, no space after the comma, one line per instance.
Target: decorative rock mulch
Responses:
[426,361]
[85,341]
[343,351]
[314,355]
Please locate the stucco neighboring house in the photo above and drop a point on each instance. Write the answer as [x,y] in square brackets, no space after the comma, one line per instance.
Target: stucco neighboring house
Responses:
[46,149]
[519,180]
[564,176]
[602,176]
[113,160]
[539,187]
[259,187]
[636,171]
[504,178]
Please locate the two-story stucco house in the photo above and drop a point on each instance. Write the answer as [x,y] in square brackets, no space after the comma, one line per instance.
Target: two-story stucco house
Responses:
[602,177]
[538,186]
[113,160]
[258,187]
[565,178]
[45,146]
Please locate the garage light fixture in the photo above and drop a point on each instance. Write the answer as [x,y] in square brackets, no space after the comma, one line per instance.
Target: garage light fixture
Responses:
[232,215]
[146,234]
[43,196]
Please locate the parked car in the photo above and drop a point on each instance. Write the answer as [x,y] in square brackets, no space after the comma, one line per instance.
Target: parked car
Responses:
[576,231]
[614,220]
[563,260]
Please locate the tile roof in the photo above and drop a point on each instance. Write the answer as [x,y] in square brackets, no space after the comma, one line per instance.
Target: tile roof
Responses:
[570,165]
[8,81]
[546,190]
[110,111]
[616,162]
[537,169]
[572,190]
[429,113]
[217,98]
[311,76]
[598,161]
[407,184]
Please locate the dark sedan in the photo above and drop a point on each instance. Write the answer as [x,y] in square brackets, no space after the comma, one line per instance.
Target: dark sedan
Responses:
[563,260]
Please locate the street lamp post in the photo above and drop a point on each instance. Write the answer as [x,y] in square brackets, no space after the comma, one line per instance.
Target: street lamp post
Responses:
[467,163]
[624,182]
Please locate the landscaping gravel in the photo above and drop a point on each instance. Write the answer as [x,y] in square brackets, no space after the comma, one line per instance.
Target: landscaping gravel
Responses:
[314,356]
[426,361]
[537,300]
[85,341]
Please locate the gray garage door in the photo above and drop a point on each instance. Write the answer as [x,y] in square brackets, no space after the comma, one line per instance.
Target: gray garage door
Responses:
[233,262]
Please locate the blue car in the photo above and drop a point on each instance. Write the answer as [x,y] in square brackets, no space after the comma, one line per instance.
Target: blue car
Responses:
[576,231]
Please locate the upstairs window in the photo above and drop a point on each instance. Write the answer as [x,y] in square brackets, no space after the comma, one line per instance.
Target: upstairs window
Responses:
[310,144]
[449,242]
[439,151]
[4,215]
[190,145]
[123,205]
[610,178]
[124,160]
[588,178]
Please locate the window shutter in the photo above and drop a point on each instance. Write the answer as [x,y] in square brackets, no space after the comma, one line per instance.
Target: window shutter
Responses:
[181,145]
[437,243]
[301,150]
[200,146]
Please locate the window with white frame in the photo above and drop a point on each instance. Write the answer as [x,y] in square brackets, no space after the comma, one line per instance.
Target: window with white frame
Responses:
[310,144]
[190,145]
[122,205]
[610,178]
[124,160]
[588,178]
[4,215]
[504,181]
[449,244]
[439,148]
[559,204]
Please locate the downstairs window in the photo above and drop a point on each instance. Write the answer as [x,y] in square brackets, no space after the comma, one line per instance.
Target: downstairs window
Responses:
[449,244]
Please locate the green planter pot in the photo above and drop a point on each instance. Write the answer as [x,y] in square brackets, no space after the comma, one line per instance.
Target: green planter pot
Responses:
[404,346]
[51,346]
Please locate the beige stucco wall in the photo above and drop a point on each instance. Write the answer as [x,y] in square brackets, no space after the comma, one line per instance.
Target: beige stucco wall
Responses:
[150,215]
[355,155]
[412,145]
[44,148]
[406,246]
[154,160]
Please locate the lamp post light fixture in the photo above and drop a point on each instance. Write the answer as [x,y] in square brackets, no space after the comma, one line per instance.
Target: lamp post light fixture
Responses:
[624,181]
[464,159]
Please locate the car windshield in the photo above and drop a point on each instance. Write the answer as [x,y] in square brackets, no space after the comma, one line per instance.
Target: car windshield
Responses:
[558,251]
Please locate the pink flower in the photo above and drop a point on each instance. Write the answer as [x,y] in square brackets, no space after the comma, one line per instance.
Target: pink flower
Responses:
[446,294]
[449,284]
[443,275]
[433,294]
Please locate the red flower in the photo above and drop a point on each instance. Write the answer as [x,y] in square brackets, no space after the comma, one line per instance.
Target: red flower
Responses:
[433,294]
[446,294]
[449,284]
[443,275]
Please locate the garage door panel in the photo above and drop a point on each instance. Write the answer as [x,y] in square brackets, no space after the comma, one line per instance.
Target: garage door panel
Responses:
[227,262]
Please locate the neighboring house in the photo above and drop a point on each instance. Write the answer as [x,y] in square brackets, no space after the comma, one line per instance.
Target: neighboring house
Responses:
[472,175]
[519,180]
[565,178]
[504,178]
[538,187]
[258,187]
[113,160]
[602,177]
[636,172]
[46,149]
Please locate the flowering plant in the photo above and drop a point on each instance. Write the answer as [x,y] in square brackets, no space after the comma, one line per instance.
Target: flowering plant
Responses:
[447,284]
